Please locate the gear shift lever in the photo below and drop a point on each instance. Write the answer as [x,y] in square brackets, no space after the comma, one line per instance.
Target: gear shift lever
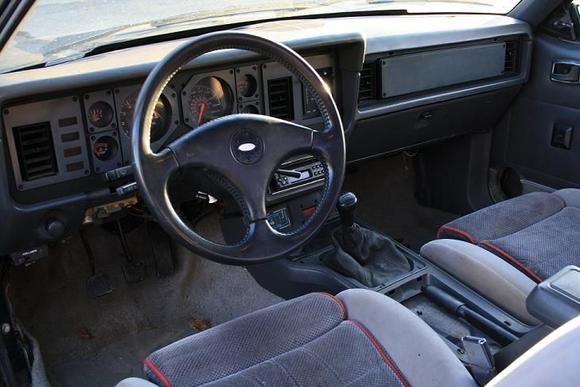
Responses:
[361,253]
[346,206]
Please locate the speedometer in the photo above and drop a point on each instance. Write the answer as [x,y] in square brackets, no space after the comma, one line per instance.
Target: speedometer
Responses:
[211,98]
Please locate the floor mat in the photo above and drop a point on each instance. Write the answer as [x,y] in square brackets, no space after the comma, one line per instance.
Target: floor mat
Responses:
[98,341]
[385,189]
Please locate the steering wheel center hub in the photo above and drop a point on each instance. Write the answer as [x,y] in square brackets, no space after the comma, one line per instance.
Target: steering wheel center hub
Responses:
[247,147]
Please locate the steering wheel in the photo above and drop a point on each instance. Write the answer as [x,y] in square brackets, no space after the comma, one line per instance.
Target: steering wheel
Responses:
[241,151]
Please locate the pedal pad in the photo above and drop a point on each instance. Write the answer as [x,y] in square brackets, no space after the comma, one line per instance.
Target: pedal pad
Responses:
[161,250]
[99,285]
[134,272]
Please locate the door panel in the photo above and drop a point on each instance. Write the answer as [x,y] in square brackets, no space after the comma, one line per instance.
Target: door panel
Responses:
[524,139]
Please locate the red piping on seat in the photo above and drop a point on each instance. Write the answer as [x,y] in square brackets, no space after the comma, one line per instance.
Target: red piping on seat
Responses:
[514,262]
[453,230]
[383,353]
[339,302]
[162,379]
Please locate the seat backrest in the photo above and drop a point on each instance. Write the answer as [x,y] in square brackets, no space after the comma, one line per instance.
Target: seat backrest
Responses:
[554,361]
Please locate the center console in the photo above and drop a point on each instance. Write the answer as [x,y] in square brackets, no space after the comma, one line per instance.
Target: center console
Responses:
[423,288]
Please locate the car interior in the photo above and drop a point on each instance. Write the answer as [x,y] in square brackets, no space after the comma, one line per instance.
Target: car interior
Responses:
[299,193]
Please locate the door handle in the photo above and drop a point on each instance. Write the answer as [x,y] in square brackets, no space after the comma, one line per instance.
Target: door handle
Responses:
[566,71]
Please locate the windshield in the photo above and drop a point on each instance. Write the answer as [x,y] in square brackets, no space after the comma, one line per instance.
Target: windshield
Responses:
[57,30]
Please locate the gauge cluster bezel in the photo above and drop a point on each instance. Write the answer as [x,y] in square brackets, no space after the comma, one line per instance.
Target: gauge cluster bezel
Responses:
[124,92]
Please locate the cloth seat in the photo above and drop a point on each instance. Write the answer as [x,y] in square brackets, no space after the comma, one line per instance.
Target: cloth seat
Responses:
[358,338]
[536,234]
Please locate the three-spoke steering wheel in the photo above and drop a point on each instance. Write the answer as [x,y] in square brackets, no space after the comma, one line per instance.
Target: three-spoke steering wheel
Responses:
[242,149]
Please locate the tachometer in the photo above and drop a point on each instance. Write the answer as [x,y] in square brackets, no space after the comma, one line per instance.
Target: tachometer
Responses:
[211,98]
[159,123]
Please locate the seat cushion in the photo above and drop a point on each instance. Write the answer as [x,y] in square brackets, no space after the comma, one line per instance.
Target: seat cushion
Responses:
[308,341]
[534,233]
[503,218]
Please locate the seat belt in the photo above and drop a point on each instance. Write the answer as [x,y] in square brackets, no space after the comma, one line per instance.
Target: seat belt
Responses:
[479,359]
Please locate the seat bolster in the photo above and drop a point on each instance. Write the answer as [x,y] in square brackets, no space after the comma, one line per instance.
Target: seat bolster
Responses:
[551,362]
[135,382]
[570,196]
[485,273]
[411,344]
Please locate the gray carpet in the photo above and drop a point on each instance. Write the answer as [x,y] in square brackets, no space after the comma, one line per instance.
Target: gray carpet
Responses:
[385,189]
[99,341]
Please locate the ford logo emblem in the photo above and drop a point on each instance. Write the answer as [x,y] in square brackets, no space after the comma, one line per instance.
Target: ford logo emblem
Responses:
[246,147]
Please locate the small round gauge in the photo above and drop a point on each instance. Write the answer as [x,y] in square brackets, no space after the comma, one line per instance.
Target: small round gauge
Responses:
[211,98]
[247,85]
[105,148]
[252,109]
[100,114]
[160,120]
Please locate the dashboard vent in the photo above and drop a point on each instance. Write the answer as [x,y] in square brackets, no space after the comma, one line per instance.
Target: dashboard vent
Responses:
[280,98]
[35,151]
[511,56]
[367,86]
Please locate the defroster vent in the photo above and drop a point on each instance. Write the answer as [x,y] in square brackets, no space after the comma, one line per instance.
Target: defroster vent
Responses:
[511,56]
[35,151]
[280,98]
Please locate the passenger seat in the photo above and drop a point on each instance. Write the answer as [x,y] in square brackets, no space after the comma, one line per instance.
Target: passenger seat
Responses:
[504,250]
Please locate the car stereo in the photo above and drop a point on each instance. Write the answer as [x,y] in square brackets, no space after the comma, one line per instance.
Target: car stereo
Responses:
[296,175]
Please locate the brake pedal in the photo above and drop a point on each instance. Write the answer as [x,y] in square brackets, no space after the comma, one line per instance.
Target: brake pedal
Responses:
[161,249]
[134,271]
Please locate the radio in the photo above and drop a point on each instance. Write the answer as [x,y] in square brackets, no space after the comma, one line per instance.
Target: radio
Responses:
[296,175]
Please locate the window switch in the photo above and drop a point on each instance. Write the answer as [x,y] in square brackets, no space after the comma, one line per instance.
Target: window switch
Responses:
[562,136]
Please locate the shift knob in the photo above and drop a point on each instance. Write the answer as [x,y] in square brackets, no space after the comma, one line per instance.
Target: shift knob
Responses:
[346,206]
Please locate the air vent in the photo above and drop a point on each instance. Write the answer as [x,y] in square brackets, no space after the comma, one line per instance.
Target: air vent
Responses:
[367,86]
[280,98]
[511,56]
[35,151]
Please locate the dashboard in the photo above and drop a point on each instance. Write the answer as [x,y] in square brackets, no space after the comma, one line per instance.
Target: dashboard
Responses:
[399,82]
[86,134]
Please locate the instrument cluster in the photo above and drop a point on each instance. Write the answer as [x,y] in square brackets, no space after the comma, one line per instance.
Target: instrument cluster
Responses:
[203,97]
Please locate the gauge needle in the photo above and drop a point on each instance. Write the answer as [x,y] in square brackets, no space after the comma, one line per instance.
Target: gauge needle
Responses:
[200,114]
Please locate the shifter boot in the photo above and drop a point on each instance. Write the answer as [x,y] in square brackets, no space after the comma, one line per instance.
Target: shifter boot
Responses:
[366,256]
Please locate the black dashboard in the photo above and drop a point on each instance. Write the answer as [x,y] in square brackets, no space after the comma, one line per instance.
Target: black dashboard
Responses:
[399,82]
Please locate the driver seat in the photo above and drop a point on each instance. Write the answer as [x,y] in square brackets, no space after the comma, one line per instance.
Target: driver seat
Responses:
[358,338]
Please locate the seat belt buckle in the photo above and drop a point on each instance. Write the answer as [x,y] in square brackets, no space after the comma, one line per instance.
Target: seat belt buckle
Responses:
[480,359]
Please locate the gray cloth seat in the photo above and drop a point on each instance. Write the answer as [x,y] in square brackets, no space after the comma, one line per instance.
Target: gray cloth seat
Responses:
[358,338]
[536,234]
